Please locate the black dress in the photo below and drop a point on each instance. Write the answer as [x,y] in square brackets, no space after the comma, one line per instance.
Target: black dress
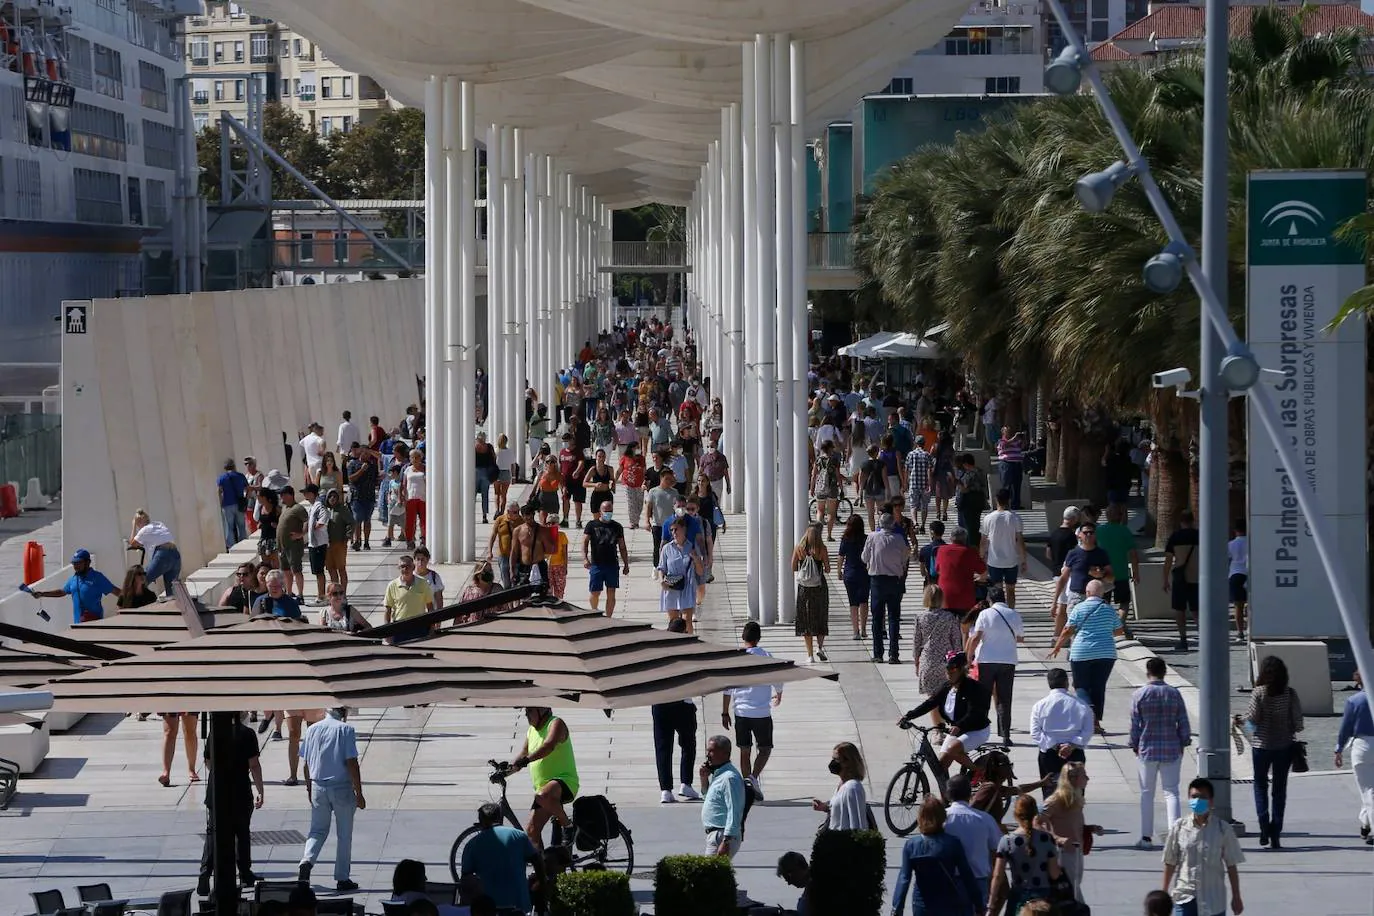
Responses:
[813,608]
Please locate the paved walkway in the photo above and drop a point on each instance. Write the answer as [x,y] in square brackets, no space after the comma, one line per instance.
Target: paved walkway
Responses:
[96,812]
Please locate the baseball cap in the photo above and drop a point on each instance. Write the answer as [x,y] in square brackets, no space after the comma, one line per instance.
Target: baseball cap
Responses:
[82,554]
[1071,513]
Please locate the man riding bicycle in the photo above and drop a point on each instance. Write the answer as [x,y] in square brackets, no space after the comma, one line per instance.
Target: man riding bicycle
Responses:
[962,704]
[553,769]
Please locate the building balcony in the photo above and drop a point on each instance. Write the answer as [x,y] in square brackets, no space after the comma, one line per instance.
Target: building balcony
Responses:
[200,61]
[200,98]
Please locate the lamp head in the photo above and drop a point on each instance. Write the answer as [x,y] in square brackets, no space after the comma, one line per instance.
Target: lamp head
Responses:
[1064,74]
[1164,272]
[1096,189]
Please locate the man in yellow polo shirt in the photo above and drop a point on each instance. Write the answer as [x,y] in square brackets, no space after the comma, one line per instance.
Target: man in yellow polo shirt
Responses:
[407,595]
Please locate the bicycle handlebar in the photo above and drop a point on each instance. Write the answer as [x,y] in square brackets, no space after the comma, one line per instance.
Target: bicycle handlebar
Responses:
[500,770]
[906,724]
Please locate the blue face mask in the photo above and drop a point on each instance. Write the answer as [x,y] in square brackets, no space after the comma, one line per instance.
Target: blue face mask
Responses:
[1199,806]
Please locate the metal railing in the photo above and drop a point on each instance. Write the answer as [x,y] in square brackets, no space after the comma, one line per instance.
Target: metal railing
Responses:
[645,254]
[829,251]
[32,452]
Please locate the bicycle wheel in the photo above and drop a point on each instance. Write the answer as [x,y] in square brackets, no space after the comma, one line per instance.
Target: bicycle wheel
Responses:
[844,509]
[908,788]
[455,855]
[616,854]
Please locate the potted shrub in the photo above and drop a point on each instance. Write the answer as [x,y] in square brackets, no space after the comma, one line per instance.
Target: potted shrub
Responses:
[848,872]
[593,893]
[695,886]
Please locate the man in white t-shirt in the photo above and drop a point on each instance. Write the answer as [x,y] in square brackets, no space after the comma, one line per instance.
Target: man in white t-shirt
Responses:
[312,452]
[1238,574]
[992,643]
[348,434]
[753,709]
[1003,545]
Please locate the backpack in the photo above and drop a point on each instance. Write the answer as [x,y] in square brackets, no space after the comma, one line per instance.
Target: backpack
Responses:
[931,572]
[596,820]
[751,795]
[809,574]
[828,473]
[873,480]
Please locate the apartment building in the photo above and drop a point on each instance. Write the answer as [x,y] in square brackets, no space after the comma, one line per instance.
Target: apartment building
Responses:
[228,48]
[996,49]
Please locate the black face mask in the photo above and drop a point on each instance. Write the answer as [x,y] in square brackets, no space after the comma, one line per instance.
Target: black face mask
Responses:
[834,766]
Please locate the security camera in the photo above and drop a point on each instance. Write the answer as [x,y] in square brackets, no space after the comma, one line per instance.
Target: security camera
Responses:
[1173,378]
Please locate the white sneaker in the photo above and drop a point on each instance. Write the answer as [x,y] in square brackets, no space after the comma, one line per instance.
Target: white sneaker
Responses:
[758,788]
[687,792]
[1144,843]
[666,797]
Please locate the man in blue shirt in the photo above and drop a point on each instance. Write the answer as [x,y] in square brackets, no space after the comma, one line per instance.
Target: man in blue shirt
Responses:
[86,586]
[976,830]
[497,857]
[1357,730]
[233,501]
[334,786]
[722,809]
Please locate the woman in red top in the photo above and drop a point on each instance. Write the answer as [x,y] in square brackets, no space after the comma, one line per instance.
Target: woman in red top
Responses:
[957,566]
[631,474]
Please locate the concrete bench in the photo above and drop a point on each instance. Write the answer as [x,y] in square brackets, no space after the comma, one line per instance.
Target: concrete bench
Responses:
[24,744]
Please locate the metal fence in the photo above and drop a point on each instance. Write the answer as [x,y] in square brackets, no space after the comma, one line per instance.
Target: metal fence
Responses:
[829,251]
[31,446]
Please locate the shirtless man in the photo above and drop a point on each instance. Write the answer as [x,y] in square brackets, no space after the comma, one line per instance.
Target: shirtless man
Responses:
[530,549]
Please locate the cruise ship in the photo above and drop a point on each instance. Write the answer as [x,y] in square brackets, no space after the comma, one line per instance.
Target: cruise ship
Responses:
[92,141]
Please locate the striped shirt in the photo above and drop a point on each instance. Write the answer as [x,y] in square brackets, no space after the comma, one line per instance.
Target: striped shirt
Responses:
[918,468]
[1276,718]
[1009,450]
[1159,722]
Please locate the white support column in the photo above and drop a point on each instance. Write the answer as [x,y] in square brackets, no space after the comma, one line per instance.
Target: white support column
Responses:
[466,351]
[736,372]
[749,252]
[782,241]
[717,230]
[801,337]
[567,251]
[494,350]
[516,335]
[543,295]
[439,131]
[764,518]
[511,217]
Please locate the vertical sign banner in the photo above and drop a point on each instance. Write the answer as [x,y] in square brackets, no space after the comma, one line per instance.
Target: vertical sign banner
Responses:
[1298,276]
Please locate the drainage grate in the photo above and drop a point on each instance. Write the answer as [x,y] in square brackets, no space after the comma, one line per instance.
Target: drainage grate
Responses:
[277,837]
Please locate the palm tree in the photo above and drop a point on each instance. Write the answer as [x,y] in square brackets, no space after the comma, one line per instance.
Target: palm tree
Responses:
[984,234]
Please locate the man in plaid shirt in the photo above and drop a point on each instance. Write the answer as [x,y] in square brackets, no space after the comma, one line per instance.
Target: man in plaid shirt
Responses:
[1159,733]
[916,482]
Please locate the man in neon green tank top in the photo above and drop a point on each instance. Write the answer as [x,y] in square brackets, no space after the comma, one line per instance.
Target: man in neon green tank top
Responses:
[553,770]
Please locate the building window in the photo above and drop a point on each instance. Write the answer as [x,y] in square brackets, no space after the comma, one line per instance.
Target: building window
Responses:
[79,61]
[159,145]
[1098,30]
[152,83]
[99,196]
[326,126]
[347,92]
[285,51]
[1002,85]
[305,88]
[306,250]
[347,123]
[200,51]
[326,87]
[341,247]
[219,52]
[901,85]
[157,203]
[99,132]
[238,52]
[219,90]
[109,72]
[286,87]
[262,47]
[238,90]
[201,120]
[28,187]
[298,45]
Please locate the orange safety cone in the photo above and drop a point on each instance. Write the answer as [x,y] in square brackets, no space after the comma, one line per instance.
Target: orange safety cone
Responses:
[33,562]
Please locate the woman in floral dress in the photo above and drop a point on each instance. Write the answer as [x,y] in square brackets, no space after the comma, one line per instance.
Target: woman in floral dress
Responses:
[937,632]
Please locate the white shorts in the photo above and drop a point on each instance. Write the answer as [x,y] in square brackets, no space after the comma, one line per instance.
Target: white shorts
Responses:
[971,741]
[1069,599]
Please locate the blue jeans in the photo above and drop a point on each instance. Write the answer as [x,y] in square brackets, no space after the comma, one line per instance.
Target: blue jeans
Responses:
[234,524]
[885,604]
[165,564]
[339,803]
[1090,678]
[1190,909]
[1280,760]
[484,488]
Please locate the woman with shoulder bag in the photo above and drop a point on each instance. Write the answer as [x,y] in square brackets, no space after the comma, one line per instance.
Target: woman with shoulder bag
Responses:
[1274,719]
[810,566]
[935,868]
[680,569]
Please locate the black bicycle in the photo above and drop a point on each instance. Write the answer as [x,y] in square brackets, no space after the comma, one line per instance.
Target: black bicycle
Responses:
[992,777]
[844,508]
[581,849]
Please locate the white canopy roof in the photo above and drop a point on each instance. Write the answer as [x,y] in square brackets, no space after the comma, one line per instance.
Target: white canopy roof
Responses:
[891,345]
[609,85]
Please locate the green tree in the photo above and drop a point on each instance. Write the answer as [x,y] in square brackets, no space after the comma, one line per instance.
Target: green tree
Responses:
[383,160]
[286,132]
[985,235]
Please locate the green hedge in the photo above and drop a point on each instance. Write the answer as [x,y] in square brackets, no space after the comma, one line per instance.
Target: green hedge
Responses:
[593,893]
[695,886]
[848,872]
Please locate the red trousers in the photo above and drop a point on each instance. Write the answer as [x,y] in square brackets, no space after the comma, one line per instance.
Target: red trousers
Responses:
[415,509]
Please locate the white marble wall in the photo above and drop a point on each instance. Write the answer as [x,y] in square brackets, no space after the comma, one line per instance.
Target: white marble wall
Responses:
[161,390]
